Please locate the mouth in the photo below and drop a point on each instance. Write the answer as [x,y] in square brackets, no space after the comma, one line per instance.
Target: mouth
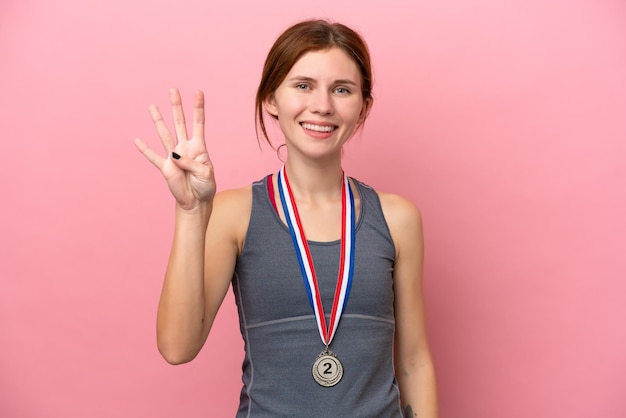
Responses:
[318,128]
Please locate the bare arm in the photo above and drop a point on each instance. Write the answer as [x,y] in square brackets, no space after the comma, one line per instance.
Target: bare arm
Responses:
[414,366]
[200,268]
[202,256]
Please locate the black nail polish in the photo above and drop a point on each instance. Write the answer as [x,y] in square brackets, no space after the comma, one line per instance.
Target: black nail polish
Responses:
[175,156]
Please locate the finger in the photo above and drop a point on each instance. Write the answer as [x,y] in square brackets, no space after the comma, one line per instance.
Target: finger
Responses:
[179,115]
[198,116]
[199,167]
[152,156]
[161,127]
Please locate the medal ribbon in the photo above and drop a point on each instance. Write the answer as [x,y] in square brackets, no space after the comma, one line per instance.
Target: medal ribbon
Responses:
[346,260]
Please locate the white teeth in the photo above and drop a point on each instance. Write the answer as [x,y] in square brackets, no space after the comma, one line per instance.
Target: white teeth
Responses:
[318,128]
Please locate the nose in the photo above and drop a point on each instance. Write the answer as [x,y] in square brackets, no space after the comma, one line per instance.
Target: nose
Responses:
[321,102]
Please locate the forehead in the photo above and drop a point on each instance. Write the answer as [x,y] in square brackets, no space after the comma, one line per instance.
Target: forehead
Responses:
[327,64]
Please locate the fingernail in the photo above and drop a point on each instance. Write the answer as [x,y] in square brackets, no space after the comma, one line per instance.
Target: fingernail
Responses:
[175,156]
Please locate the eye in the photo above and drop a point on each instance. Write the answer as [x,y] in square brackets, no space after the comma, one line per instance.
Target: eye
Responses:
[302,86]
[342,90]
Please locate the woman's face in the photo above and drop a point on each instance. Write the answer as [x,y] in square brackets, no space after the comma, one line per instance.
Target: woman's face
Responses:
[319,103]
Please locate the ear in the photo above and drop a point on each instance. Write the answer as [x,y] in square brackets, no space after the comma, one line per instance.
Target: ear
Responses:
[269,104]
[365,110]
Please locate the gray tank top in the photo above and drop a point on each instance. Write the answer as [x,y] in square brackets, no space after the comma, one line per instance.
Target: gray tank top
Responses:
[279,329]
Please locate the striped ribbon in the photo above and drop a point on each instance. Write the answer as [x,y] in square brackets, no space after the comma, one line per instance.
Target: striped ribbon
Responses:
[346,261]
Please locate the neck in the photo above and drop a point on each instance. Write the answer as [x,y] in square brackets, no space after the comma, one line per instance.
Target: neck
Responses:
[313,182]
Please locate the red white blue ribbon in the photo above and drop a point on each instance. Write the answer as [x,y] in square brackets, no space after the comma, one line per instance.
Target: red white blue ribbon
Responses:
[346,259]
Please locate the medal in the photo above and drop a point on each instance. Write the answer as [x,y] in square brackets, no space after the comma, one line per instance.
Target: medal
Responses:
[327,369]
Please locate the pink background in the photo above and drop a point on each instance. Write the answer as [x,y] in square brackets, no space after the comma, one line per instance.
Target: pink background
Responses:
[504,121]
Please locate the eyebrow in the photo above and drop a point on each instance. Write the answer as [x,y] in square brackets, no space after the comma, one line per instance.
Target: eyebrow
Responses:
[312,80]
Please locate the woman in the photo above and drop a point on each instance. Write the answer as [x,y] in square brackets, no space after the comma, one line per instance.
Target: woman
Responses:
[327,273]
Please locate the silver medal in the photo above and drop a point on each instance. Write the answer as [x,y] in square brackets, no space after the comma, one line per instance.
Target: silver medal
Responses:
[327,369]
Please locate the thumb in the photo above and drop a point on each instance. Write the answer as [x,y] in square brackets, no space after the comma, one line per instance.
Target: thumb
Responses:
[190,165]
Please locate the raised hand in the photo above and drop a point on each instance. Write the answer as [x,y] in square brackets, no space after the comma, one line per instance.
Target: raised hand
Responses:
[187,167]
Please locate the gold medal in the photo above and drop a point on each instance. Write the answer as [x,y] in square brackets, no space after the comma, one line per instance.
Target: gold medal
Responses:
[327,369]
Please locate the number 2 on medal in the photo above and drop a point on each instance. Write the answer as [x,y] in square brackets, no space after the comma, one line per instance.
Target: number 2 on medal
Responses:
[328,367]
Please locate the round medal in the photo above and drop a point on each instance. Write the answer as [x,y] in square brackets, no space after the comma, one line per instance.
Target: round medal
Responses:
[327,369]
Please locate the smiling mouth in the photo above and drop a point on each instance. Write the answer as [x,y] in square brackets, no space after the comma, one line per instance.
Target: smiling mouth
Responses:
[318,128]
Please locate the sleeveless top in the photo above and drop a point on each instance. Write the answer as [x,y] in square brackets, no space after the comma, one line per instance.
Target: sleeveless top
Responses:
[280,332]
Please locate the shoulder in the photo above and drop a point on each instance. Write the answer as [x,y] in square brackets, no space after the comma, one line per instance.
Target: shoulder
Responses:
[231,214]
[399,210]
[404,220]
[394,206]
[234,198]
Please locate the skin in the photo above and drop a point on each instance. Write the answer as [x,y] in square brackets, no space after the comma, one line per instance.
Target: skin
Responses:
[323,88]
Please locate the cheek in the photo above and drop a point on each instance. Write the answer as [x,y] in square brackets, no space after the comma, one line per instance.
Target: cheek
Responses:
[352,112]
[287,104]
